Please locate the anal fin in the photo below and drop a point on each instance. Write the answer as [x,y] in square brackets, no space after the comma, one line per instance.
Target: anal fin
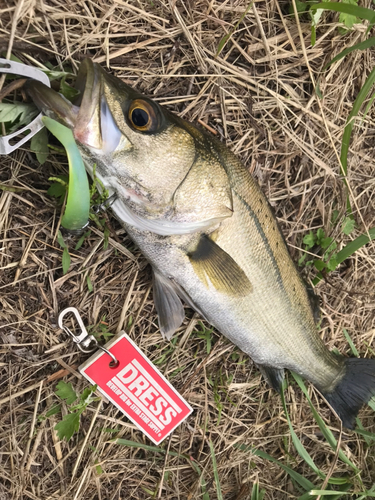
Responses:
[167,304]
[274,376]
[211,262]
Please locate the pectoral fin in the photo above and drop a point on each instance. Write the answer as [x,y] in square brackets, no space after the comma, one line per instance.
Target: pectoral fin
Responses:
[168,305]
[211,262]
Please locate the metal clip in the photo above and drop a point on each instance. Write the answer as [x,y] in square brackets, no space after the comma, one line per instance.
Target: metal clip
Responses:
[7,66]
[85,342]
[102,207]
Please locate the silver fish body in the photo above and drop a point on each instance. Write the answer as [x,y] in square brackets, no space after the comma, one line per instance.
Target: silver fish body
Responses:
[208,231]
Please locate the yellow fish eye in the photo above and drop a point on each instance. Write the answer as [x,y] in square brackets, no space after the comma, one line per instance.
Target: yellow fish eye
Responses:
[142,116]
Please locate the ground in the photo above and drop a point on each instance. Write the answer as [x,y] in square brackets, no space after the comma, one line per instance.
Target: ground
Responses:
[258,96]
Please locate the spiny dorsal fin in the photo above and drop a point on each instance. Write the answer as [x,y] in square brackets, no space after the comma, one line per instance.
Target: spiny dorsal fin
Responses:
[210,262]
[167,304]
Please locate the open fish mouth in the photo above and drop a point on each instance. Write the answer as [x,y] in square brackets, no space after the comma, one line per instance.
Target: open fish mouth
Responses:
[89,116]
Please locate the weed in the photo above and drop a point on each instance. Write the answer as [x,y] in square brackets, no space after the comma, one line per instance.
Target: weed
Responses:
[219,385]
[66,259]
[319,243]
[101,330]
[70,422]
[205,334]
[227,37]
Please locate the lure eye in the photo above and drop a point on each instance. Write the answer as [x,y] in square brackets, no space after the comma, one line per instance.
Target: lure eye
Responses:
[142,116]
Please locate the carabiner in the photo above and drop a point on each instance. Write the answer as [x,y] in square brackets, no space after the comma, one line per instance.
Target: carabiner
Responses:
[84,339]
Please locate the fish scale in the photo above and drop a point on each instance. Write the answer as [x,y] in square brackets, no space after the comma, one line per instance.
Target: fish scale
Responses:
[208,232]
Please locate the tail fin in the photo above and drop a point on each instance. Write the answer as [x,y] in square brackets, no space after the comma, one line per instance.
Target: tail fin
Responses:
[354,389]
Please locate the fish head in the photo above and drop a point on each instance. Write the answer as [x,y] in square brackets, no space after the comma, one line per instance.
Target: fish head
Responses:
[151,159]
[138,148]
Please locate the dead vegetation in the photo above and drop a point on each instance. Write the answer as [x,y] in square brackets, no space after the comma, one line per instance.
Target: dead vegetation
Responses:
[258,96]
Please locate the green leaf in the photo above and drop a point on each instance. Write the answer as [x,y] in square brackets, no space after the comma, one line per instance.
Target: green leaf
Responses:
[55,409]
[39,145]
[349,249]
[68,426]
[256,494]
[204,487]
[315,16]
[309,240]
[332,263]
[370,42]
[317,86]
[86,394]
[348,19]
[348,225]
[60,239]
[351,343]
[82,239]
[56,75]
[66,391]
[301,480]
[18,114]
[353,10]
[225,39]
[355,245]
[335,215]
[222,43]
[216,473]
[98,468]
[301,450]
[66,260]
[327,433]
[301,7]
[57,190]
[325,242]
[369,435]
[319,264]
[89,284]
[320,235]
[67,91]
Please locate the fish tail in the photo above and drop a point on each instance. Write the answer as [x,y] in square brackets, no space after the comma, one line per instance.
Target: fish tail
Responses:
[354,389]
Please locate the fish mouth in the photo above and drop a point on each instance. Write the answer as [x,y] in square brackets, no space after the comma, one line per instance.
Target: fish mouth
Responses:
[89,117]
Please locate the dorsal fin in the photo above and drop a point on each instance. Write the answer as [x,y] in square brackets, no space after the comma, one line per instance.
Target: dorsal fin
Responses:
[211,262]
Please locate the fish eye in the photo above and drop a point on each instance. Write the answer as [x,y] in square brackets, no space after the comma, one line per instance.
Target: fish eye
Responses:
[142,116]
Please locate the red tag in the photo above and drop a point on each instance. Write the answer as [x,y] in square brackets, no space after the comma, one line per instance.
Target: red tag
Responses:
[137,388]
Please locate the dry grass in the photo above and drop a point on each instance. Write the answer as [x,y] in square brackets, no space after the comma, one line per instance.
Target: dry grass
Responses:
[258,96]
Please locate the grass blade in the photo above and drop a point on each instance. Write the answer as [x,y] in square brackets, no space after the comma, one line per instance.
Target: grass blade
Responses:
[226,38]
[255,493]
[353,10]
[350,249]
[216,473]
[367,434]
[355,245]
[301,450]
[350,342]
[350,123]
[370,42]
[298,478]
[330,438]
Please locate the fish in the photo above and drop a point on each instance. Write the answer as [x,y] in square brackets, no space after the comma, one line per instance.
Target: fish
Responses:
[208,231]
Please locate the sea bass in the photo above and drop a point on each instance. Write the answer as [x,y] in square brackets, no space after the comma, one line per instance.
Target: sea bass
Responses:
[207,230]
